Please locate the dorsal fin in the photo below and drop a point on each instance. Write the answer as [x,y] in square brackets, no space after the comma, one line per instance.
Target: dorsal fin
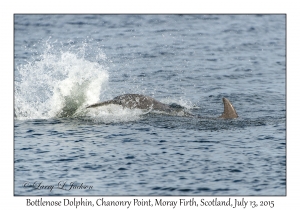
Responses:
[229,111]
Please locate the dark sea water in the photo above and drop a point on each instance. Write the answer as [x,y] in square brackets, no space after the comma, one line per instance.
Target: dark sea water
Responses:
[65,62]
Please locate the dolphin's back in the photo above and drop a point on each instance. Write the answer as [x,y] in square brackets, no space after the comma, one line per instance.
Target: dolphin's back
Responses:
[141,102]
[104,103]
[135,101]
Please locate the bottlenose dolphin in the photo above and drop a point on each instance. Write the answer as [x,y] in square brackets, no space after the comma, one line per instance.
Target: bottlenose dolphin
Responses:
[147,103]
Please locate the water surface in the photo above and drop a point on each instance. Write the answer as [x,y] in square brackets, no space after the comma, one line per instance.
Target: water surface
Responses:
[65,62]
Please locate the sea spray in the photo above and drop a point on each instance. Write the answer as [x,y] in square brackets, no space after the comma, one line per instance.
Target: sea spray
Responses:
[114,114]
[58,83]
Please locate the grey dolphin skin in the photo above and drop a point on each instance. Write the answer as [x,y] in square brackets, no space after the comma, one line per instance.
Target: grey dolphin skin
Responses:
[145,102]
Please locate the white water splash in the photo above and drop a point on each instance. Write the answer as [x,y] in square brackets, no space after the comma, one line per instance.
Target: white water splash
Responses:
[114,114]
[59,83]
